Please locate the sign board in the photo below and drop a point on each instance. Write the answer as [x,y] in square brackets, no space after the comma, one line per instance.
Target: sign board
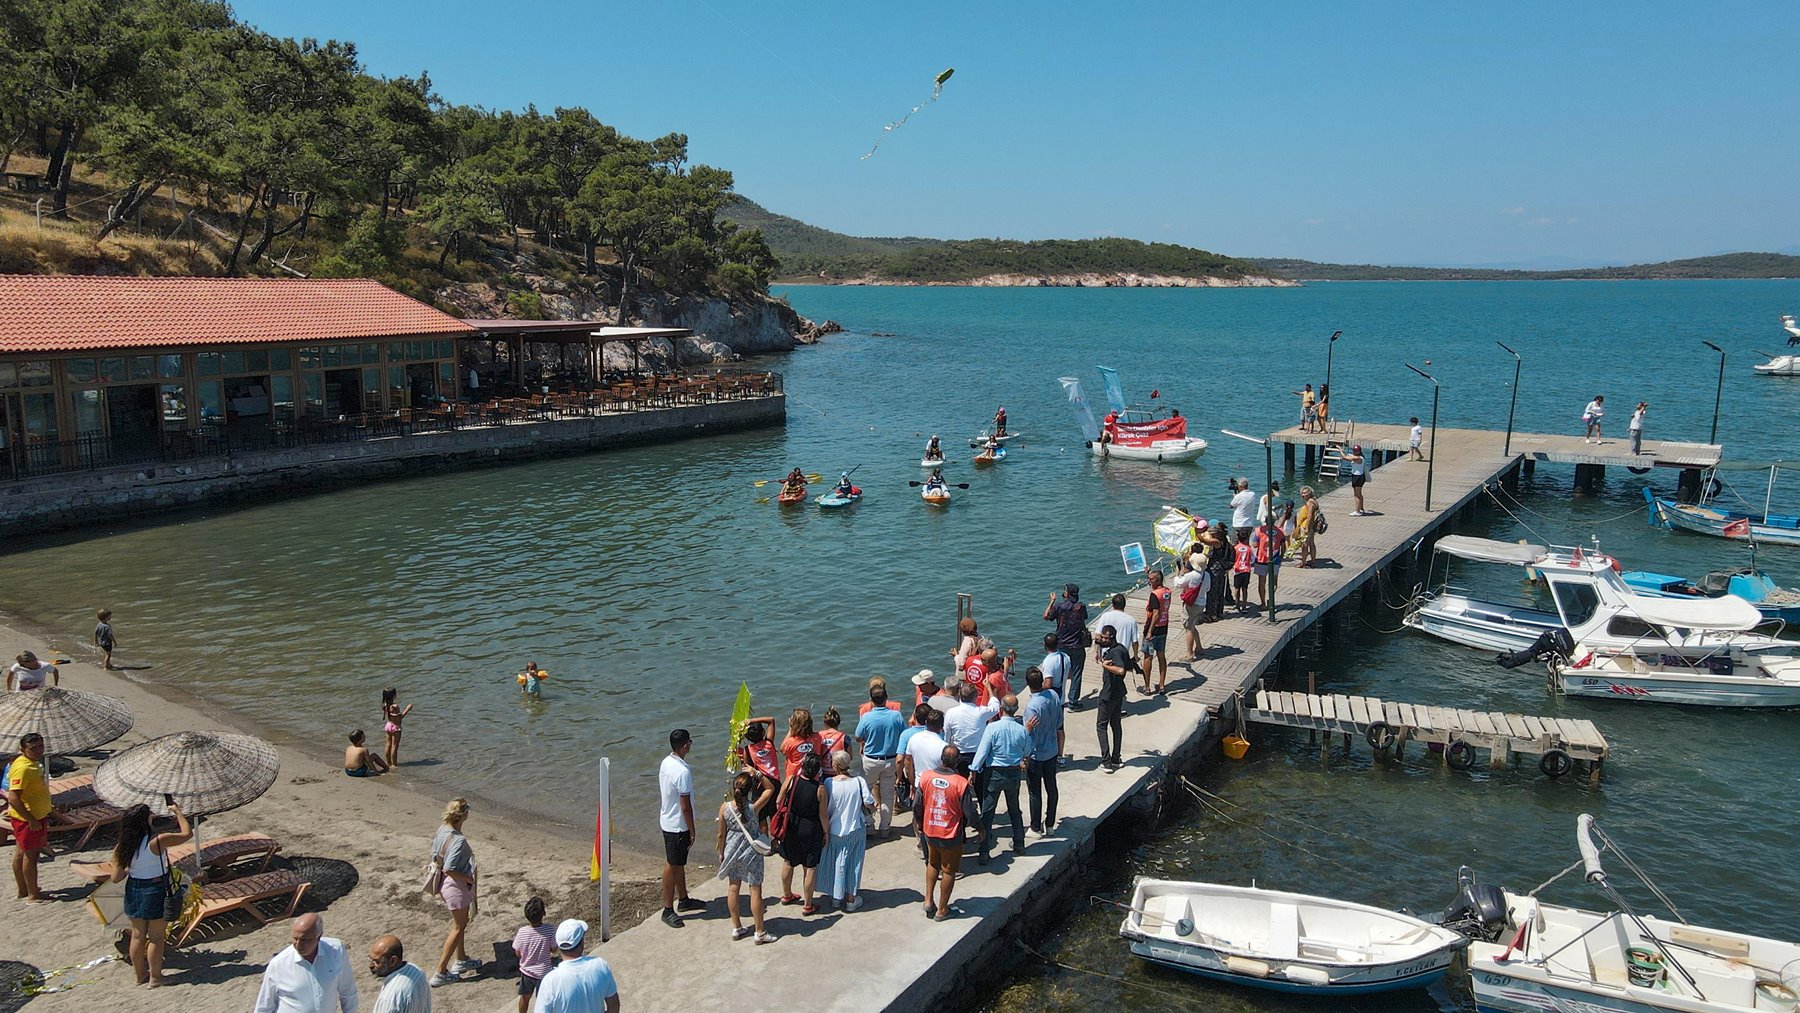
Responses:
[1133,555]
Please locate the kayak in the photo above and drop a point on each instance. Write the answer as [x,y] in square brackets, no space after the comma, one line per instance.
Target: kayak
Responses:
[786,498]
[997,456]
[832,501]
[935,497]
[931,462]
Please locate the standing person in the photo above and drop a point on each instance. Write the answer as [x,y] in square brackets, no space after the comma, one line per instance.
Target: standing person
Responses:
[1242,562]
[103,637]
[968,637]
[1055,666]
[1306,527]
[534,945]
[1044,723]
[846,832]
[28,807]
[832,738]
[804,842]
[1307,400]
[1591,415]
[920,756]
[1072,637]
[878,733]
[1267,545]
[1359,473]
[141,858]
[941,825]
[1264,509]
[877,682]
[801,741]
[391,716]
[1218,570]
[1125,628]
[1414,438]
[1322,410]
[740,856]
[1157,604]
[1637,427]
[1115,663]
[1000,764]
[403,985]
[578,983]
[27,672]
[451,852]
[312,975]
[1191,587]
[964,724]
[1243,509]
[675,786]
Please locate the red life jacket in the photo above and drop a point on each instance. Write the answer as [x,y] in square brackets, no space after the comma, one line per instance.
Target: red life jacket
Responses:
[761,758]
[797,750]
[1161,596]
[834,740]
[943,804]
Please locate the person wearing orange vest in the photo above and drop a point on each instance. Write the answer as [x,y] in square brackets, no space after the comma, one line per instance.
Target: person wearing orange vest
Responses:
[941,815]
[1156,633]
[1267,544]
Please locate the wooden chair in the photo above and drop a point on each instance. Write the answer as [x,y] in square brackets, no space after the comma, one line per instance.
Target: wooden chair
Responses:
[88,818]
[226,852]
[243,895]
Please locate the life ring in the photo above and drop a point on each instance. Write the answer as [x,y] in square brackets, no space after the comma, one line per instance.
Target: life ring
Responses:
[1459,755]
[1714,488]
[1555,763]
[1638,471]
[1381,735]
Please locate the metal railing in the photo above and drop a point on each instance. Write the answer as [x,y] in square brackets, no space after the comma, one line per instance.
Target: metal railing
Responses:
[98,451]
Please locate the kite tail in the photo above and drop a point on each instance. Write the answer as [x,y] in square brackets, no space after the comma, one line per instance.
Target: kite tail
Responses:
[891,127]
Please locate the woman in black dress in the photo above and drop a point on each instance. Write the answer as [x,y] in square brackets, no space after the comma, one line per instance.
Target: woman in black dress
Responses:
[804,841]
[1218,570]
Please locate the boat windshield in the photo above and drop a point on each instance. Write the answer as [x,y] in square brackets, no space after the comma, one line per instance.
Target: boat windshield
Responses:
[1576,602]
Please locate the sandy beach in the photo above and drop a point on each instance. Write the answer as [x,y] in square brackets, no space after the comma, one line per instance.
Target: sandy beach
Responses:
[364,843]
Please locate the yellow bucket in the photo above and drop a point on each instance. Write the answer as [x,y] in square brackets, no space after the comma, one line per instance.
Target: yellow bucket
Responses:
[1236,746]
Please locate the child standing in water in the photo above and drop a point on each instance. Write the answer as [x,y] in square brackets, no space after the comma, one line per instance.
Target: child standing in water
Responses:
[103,637]
[391,716]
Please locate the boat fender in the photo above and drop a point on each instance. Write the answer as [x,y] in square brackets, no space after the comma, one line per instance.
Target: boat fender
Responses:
[1380,735]
[1555,763]
[1638,471]
[1246,966]
[1714,488]
[1459,755]
[1306,974]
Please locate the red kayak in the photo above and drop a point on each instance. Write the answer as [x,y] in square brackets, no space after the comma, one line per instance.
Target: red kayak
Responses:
[786,498]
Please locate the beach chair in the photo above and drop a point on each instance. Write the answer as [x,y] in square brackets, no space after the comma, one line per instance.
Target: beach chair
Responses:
[87,818]
[227,852]
[243,895]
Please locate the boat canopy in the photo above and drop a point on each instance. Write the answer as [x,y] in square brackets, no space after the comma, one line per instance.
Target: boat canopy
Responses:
[1728,612]
[1488,550]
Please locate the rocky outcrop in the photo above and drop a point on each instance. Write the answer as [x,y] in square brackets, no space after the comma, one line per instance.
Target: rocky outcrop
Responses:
[1085,280]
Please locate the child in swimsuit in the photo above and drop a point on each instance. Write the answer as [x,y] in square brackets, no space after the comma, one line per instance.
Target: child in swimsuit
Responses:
[531,680]
[359,762]
[391,716]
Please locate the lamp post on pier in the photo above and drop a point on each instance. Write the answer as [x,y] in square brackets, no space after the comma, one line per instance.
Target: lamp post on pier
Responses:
[1269,463]
[1719,393]
[1517,362]
[1329,345]
[1430,461]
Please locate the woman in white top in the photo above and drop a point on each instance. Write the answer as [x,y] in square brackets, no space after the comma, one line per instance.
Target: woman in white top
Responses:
[846,835]
[141,858]
[30,673]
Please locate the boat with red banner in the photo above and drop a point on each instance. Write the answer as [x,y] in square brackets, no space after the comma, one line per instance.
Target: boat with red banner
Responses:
[1142,433]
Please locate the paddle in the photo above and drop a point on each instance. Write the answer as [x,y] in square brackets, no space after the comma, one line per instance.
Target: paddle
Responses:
[953,485]
[759,483]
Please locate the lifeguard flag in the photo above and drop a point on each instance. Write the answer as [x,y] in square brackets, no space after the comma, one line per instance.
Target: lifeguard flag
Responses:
[598,857]
[1736,529]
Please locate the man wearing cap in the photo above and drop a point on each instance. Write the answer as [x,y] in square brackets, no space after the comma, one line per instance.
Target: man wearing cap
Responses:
[1359,473]
[676,785]
[1070,616]
[578,983]
[403,985]
[928,692]
[310,976]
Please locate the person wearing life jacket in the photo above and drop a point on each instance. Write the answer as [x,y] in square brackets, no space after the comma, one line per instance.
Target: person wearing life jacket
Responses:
[1000,421]
[531,680]
[934,452]
[795,483]
[935,484]
[844,488]
[1109,428]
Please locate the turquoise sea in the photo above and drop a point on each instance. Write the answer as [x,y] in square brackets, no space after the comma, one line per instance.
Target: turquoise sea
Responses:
[651,582]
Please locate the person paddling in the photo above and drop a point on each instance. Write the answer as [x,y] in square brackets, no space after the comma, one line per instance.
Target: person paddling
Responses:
[794,484]
[1000,421]
[844,489]
[934,452]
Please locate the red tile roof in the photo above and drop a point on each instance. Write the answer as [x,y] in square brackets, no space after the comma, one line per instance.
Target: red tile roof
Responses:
[70,313]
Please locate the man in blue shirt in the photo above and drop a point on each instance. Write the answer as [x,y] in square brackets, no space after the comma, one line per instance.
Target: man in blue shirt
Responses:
[879,730]
[1043,722]
[1001,759]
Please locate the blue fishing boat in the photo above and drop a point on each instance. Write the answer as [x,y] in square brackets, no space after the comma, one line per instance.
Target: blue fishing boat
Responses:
[1707,517]
[1751,584]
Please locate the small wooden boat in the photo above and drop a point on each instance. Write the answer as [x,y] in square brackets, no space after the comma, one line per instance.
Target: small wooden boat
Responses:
[939,496]
[1708,518]
[791,498]
[834,501]
[1286,942]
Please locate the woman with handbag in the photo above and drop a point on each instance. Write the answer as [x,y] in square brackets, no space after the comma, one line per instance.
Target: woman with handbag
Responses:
[453,878]
[846,843]
[742,848]
[803,838]
[141,858]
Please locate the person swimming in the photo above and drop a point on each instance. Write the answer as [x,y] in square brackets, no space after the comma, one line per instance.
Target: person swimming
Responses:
[531,680]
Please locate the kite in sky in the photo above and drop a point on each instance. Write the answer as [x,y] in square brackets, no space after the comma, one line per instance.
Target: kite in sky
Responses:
[936,90]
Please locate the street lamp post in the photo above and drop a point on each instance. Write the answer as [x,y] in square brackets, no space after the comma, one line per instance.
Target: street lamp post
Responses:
[1431,461]
[1719,393]
[1269,464]
[1517,362]
[1329,345]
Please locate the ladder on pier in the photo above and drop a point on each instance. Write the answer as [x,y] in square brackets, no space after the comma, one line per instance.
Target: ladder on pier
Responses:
[1557,743]
[1332,460]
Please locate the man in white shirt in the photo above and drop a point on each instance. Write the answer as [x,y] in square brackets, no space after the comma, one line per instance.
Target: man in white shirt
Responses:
[311,976]
[1416,437]
[577,984]
[676,784]
[963,725]
[1125,628]
[1637,427]
[1243,510]
[404,988]
[924,755]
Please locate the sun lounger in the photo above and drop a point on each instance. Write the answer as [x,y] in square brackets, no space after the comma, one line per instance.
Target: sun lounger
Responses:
[226,852]
[87,818]
[243,894]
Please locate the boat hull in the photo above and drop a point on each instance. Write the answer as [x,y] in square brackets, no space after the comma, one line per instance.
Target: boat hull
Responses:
[1498,991]
[1210,963]
[1693,691]
[1160,452]
[1482,625]
[1708,521]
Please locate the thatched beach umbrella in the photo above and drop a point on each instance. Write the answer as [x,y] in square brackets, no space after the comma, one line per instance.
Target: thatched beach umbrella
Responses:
[69,720]
[207,772]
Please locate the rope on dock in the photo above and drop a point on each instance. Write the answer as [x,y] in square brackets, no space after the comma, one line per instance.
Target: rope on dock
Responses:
[1183,998]
[1634,511]
[1201,796]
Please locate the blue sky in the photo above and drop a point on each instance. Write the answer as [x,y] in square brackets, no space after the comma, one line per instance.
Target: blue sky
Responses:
[1527,133]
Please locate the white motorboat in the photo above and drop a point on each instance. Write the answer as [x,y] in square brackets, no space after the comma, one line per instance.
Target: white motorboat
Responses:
[1529,956]
[1286,942]
[1592,602]
[1783,365]
[1187,448]
[1141,433]
[1655,672]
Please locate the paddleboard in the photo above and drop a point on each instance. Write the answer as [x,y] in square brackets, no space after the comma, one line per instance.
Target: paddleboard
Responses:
[832,501]
[931,462]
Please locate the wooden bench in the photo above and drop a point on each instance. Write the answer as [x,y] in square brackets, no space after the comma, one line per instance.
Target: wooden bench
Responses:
[243,895]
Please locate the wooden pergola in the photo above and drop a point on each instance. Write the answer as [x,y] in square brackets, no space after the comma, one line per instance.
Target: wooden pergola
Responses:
[515,335]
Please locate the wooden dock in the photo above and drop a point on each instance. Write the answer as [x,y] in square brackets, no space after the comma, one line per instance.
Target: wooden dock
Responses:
[1550,448]
[1557,743]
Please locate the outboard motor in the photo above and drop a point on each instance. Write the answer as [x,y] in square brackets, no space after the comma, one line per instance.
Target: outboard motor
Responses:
[1479,910]
[1549,644]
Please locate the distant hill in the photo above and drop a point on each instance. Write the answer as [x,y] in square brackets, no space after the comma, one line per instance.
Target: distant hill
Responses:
[1729,265]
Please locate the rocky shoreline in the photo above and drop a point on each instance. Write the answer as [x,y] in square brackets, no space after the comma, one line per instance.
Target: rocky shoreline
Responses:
[1091,279]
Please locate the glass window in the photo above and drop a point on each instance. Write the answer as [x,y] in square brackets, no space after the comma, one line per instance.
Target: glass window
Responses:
[112,369]
[446,378]
[212,401]
[232,362]
[34,374]
[1577,602]
[396,387]
[311,357]
[396,351]
[143,367]
[169,367]
[334,356]
[81,370]
[371,355]
[207,363]
[415,350]
[281,359]
[446,349]
[9,377]
[256,361]
[90,412]
[1628,626]
[174,407]
[314,385]
[282,397]
[371,390]
[40,416]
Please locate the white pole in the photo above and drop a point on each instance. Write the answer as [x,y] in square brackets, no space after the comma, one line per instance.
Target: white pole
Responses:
[603,844]
[1769,497]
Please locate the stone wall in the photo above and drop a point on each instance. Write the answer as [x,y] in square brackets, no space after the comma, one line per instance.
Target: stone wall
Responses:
[56,502]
